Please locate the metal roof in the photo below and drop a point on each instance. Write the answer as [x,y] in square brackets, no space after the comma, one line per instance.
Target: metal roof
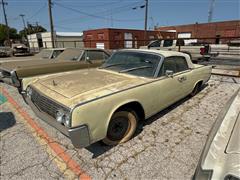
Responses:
[69,34]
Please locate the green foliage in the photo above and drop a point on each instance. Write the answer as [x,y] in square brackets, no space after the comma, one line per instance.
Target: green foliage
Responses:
[3,33]
[31,29]
[14,35]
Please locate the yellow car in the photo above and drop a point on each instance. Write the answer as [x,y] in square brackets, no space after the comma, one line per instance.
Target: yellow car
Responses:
[107,103]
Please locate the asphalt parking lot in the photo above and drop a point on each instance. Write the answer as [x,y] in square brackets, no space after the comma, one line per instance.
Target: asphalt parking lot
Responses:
[166,146]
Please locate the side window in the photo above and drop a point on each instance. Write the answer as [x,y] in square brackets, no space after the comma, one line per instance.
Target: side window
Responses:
[181,64]
[180,42]
[168,43]
[168,64]
[155,44]
[95,55]
[56,53]
[105,56]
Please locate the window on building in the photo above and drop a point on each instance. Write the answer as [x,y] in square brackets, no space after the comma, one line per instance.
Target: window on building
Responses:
[101,36]
[117,35]
[88,36]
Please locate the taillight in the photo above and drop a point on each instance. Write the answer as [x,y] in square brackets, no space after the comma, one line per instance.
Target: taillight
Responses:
[202,51]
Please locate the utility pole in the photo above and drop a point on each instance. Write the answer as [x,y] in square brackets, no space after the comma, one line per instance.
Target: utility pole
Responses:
[37,26]
[6,22]
[51,21]
[210,11]
[24,25]
[146,21]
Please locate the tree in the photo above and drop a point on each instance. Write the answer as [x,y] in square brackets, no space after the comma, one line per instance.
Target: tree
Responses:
[3,33]
[31,29]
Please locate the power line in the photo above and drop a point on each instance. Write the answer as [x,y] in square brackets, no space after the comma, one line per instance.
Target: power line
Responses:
[110,11]
[91,6]
[38,11]
[93,15]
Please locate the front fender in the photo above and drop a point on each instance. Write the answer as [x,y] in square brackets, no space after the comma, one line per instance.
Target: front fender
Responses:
[27,81]
[97,115]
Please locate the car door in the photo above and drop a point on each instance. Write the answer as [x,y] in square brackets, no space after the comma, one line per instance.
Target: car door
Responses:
[166,89]
[184,75]
[173,84]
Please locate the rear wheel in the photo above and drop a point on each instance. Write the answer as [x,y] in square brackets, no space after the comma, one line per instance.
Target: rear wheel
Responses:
[196,89]
[121,128]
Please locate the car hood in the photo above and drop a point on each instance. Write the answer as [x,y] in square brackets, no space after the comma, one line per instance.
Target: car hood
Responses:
[83,85]
[12,65]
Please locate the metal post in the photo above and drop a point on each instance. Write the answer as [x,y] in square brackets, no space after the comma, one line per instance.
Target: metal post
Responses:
[25,29]
[6,22]
[146,21]
[51,21]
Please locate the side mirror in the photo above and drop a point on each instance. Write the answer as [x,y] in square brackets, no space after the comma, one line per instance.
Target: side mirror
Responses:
[169,73]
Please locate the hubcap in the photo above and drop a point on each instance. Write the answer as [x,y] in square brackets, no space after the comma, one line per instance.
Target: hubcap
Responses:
[118,128]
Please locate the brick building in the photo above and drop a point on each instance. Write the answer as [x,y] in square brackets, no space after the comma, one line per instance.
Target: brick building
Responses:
[215,30]
[110,38]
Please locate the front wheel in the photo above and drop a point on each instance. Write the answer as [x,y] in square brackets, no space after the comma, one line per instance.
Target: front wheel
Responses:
[121,128]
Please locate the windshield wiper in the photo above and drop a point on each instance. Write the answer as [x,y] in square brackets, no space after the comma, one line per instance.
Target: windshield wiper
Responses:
[111,65]
[133,69]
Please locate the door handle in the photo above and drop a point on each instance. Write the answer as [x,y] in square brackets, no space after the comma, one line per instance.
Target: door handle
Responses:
[183,78]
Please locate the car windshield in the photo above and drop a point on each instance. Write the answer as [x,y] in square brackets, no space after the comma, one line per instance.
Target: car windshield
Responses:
[70,54]
[44,54]
[134,63]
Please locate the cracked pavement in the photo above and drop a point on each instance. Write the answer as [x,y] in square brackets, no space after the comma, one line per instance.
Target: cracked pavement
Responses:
[166,146]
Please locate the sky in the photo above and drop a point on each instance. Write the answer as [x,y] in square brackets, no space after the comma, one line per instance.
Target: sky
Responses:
[79,15]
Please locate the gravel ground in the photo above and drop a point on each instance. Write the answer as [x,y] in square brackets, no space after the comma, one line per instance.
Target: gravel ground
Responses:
[166,146]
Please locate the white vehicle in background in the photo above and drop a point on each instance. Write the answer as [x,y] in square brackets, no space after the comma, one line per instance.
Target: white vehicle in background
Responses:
[195,50]
[5,51]
[230,49]
[220,159]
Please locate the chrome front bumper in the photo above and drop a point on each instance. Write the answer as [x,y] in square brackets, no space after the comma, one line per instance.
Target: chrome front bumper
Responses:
[78,135]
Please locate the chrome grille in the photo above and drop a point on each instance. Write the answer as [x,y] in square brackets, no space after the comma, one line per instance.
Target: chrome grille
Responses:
[44,104]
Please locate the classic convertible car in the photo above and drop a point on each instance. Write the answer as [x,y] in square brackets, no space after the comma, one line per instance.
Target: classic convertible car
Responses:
[107,103]
[220,158]
[72,58]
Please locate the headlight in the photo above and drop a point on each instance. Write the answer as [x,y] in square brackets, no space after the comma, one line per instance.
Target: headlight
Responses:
[29,91]
[63,117]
